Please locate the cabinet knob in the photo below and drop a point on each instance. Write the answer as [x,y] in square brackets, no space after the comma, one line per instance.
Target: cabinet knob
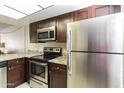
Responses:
[57,68]
[9,68]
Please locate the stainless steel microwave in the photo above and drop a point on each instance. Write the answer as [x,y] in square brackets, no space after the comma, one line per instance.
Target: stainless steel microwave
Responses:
[46,34]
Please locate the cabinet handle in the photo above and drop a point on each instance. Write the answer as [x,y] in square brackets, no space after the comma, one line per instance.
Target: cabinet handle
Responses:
[17,61]
[57,68]
[9,68]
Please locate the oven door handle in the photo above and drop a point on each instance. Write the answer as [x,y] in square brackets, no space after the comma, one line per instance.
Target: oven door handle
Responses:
[42,64]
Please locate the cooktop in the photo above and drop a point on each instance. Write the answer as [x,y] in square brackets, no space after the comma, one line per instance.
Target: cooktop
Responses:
[49,53]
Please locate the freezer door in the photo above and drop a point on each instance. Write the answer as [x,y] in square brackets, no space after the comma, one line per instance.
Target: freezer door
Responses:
[95,70]
[101,34]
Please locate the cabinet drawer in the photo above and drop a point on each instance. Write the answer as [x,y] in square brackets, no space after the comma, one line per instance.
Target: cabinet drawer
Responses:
[58,68]
[15,62]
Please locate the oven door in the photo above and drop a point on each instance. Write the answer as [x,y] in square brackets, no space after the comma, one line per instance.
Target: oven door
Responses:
[39,71]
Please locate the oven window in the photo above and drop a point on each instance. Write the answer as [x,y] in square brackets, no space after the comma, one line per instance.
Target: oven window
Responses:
[43,35]
[38,70]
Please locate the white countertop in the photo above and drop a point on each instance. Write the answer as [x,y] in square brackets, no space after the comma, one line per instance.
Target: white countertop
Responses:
[5,57]
[59,60]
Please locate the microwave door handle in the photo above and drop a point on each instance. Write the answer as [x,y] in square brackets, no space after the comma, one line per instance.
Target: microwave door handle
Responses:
[48,34]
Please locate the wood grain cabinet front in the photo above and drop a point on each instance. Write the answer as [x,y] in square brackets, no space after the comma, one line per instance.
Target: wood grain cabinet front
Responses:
[33,32]
[83,14]
[100,10]
[16,72]
[57,76]
[62,21]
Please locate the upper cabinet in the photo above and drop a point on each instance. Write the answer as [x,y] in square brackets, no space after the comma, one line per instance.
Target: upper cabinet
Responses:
[33,32]
[39,25]
[62,26]
[101,10]
[47,23]
[61,21]
[83,14]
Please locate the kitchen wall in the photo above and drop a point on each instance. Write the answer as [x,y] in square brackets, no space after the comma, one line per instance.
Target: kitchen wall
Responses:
[14,38]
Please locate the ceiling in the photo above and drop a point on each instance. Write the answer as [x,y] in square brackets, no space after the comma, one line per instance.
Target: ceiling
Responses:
[16,10]
[43,14]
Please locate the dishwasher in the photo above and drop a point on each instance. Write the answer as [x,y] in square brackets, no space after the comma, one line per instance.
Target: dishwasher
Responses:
[3,74]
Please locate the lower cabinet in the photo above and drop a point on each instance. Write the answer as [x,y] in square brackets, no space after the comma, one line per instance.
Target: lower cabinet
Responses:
[57,76]
[16,72]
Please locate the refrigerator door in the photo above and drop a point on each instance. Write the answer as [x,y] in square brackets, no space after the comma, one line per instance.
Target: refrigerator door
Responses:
[101,34]
[94,70]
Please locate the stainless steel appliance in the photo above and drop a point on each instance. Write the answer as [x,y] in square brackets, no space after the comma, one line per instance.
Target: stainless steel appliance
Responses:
[46,34]
[39,67]
[3,74]
[96,52]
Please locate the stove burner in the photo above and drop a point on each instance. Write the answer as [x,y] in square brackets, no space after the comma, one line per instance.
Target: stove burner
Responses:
[49,53]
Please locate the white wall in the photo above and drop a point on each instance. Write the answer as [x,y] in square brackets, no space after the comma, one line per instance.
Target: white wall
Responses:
[14,39]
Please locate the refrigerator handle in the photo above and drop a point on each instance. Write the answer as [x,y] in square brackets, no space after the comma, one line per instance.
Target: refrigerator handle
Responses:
[69,63]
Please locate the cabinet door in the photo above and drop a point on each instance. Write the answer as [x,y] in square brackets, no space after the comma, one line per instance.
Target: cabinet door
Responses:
[100,10]
[16,73]
[33,32]
[83,14]
[12,77]
[22,69]
[58,80]
[57,76]
[52,21]
[62,26]
[43,24]
[27,69]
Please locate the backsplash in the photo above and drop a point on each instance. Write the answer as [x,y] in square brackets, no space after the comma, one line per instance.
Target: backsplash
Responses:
[39,46]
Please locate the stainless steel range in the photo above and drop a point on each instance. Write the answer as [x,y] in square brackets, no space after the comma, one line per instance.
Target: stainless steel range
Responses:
[39,67]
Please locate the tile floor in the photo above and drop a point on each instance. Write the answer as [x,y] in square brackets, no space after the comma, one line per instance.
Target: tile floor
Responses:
[24,85]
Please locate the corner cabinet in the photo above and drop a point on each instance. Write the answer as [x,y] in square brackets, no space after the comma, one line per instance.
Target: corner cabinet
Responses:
[16,72]
[57,76]
[62,21]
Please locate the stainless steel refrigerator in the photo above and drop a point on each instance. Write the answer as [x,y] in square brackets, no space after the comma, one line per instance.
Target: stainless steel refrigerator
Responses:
[95,49]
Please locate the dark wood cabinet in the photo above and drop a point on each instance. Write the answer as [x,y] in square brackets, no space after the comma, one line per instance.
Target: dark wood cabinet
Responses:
[27,69]
[43,24]
[33,32]
[57,76]
[62,21]
[83,14]
[16,72]
[100,10]
[47,23]
[39,25]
